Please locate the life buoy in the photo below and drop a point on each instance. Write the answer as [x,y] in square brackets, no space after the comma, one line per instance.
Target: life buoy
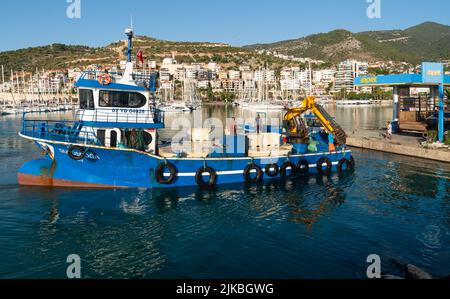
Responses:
[284,169]
[76,148]
[272,170]
[212,177]
[320,163]
[247,173]
[160,173]
[104,79]
[303,167]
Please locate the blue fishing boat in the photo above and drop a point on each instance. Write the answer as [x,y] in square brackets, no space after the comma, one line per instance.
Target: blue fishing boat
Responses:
[113,142]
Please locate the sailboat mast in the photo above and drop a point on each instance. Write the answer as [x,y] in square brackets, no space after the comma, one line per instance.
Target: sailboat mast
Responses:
[310,78]
[3,78]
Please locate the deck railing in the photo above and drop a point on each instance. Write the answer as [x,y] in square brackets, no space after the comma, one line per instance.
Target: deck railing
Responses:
[117,116]
[56,130]
[147,80]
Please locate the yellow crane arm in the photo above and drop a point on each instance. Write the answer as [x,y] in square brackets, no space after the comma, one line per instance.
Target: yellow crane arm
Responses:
[329,125]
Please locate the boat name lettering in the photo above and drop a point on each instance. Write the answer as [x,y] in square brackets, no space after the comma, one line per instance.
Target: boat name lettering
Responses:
[125,110]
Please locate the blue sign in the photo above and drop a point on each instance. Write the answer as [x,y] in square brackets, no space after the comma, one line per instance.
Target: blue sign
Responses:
[432,72]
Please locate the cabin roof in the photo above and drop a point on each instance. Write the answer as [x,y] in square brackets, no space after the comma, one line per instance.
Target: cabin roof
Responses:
[113,86]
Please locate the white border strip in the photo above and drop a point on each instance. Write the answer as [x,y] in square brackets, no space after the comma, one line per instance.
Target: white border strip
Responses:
[230,172]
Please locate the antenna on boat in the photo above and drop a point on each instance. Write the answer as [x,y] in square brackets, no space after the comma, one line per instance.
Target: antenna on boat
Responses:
[127,77]
[129,33]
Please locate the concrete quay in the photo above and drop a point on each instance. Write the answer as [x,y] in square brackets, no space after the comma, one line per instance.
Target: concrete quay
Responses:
[399,144]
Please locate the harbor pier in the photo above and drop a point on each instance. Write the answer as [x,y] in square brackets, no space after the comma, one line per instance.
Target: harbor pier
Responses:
[399,144]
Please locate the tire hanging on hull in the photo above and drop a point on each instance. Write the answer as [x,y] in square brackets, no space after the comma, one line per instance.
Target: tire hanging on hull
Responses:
[272,170]
[74,148]
[247,173]
[284,170]
[320,163]
[345,165]
[303,167]
[212,177]
[159,172]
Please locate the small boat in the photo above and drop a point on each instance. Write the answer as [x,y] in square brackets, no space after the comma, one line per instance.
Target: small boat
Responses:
[113,142]
[9,110]
[174,107]
[353,103]
[265,107]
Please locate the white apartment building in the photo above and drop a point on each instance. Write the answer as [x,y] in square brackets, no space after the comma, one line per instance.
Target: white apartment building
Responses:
[203,84]
[324,76]
[191,72]
[270,76]
[164,75]
[234,75]
[290,84]
[171,65]
[233,85]
[346,73]
[267,75]
[247,75]
[180,74]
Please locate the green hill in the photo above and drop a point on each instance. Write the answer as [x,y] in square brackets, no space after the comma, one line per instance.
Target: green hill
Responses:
[58,56]
[427,41]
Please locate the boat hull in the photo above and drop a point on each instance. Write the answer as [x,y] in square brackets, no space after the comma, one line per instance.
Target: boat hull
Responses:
[124,168]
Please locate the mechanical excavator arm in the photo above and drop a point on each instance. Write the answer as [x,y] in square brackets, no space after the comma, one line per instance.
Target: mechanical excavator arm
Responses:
[327,122]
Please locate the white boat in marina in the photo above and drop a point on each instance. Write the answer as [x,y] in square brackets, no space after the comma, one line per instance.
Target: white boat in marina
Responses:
[265,107]
[9,110]
[354,103]
[174,107]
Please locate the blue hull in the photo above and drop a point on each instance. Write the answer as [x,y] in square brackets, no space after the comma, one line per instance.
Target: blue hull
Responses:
[123,168]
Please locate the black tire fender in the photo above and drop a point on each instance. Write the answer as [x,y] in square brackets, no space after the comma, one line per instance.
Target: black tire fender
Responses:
[74,148]
[347,163]
[352,163]
[248,170]
[212,177]
[303,167]
[285,166]
[159,172]
[320,163]
[272,170]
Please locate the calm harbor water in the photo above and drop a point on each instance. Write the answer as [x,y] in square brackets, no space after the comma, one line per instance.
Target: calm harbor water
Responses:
[312,227]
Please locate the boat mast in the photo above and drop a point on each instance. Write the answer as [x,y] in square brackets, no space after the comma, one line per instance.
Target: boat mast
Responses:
[310,78]
[3,78]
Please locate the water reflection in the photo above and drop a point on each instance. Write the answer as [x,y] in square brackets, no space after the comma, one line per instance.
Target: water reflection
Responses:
[310,227]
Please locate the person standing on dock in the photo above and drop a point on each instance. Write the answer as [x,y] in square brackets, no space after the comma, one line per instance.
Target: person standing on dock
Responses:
[233,126]
[258,123]
[389,131]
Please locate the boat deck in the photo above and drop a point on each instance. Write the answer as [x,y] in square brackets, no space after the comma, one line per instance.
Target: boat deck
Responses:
[206,149]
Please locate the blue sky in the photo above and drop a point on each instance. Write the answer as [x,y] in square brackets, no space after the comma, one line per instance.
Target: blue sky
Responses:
[28,23]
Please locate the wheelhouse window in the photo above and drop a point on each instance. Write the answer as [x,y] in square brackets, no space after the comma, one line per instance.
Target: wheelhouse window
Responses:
[86,99]
[110,98]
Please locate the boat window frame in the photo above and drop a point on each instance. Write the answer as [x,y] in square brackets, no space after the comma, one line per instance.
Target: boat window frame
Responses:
[90,104]
[119,103]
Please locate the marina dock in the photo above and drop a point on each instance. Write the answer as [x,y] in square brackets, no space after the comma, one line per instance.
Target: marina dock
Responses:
[399,144]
